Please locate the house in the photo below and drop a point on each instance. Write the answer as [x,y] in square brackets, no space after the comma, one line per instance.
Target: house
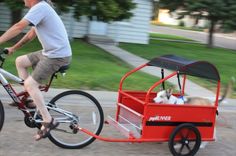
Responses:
[164,17]
[134,30]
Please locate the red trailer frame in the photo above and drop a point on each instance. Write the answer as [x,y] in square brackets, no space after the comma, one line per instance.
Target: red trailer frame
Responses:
[142,120]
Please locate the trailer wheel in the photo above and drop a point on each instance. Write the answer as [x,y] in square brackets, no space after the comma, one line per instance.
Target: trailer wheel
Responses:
[185,140]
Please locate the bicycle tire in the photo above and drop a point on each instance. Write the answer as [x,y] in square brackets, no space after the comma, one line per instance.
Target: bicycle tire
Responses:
[91,117]
[1,115]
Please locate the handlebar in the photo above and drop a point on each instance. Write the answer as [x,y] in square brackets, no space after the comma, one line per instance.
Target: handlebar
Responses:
[3,52]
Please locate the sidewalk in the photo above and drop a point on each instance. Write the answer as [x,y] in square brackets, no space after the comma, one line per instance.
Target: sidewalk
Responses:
[106,98]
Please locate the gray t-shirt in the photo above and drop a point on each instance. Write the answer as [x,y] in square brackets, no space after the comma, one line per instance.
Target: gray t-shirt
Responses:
[50,30]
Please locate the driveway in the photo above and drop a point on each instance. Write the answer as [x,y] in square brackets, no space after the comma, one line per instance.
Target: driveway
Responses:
[17,139]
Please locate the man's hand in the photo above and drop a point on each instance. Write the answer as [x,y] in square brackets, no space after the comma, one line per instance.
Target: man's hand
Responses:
[1,41]
[11,50]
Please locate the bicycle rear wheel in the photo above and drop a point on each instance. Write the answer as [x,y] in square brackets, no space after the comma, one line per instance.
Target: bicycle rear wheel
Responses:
[81,109]
[1,115]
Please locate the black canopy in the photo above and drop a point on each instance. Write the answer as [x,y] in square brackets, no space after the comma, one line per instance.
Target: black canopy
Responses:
[202,69]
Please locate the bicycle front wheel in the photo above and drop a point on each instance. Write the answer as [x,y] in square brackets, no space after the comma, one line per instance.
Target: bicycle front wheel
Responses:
[71,109]
[1,115]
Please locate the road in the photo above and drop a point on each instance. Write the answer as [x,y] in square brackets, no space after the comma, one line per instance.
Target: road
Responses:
[220,40]
[17,139]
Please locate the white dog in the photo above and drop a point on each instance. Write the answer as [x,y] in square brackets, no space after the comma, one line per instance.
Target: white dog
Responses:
[166,97]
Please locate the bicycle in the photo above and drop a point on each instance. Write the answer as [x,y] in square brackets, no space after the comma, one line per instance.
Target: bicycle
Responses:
[70,109]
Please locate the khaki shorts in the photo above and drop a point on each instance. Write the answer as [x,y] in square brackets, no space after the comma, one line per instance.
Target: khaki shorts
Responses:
[44,67]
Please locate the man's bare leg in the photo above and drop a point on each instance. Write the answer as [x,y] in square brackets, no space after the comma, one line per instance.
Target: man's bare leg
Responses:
[32,88]
[22,63]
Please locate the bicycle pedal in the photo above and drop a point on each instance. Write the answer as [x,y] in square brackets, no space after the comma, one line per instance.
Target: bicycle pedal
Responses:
[13,104]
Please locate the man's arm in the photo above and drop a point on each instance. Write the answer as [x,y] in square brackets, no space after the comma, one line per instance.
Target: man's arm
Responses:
[15,30]
[31,34]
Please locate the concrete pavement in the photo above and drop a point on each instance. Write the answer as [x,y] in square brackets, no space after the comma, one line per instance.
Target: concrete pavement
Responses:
[17,139]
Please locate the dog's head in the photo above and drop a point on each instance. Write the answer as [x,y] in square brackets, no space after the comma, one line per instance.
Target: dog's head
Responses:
[163,96]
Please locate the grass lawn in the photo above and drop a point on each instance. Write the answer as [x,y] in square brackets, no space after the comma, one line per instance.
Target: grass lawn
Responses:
[223,59]
[91,69]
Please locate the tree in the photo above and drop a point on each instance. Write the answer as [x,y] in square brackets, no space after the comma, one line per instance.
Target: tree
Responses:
[100,10]
[62,5]
[104,10]
[155,10]
[216,11]
[16,7]
[230,23]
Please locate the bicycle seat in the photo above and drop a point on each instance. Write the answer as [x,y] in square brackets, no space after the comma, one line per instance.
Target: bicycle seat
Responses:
[63,69]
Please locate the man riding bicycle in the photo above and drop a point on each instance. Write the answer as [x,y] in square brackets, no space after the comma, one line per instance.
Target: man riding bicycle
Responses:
[50,30]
